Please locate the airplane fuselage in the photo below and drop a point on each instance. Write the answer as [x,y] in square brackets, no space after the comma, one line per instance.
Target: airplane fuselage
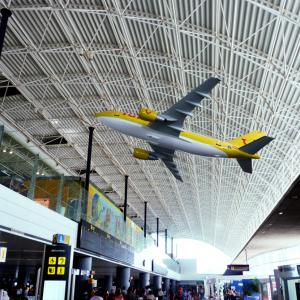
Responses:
[185,141]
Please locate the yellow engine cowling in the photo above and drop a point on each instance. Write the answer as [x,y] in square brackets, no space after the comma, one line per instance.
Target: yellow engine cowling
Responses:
[143,154]
[148,114]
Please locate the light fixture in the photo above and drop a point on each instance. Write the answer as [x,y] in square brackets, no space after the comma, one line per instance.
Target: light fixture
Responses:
[280,213]
[37,173]
[11,152]
[4,150]
[43,174]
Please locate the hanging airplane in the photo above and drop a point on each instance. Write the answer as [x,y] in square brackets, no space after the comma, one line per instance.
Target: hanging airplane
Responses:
[165,133]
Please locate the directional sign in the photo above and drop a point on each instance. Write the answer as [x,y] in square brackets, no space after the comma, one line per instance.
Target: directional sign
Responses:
[238,267]
[51,271]
[57,262]
[60,271]
[61,260]
[52,260]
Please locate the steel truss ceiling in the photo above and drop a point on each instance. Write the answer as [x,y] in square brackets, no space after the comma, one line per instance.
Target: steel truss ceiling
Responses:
[72,58]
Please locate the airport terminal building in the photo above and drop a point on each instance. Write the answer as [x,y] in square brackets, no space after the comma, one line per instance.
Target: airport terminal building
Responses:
[149,150]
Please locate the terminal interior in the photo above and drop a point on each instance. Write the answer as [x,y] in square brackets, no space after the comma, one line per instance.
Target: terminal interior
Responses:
[82,217]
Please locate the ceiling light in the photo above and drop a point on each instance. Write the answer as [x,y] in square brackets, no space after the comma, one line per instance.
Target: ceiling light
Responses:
[280,213]
[37,173]
[11,152]
[4,150]
[43,174]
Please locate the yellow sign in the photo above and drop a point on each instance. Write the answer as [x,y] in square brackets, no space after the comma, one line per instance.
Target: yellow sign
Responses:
[3,251]
[60,270]
[52,260]
[61,260]
[51,271]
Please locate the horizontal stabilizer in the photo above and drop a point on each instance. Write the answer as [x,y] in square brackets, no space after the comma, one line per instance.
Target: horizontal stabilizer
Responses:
[245,164]
[256,145]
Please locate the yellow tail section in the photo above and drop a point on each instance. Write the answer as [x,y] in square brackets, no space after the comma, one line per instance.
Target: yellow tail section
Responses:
[246,139]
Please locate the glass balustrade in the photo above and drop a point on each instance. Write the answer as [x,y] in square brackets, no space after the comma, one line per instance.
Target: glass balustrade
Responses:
[23,172]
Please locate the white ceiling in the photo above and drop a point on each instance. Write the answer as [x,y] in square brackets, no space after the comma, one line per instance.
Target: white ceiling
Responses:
[72,58]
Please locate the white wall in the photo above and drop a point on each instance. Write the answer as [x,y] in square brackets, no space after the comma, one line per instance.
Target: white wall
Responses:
[264,264]
[26,216]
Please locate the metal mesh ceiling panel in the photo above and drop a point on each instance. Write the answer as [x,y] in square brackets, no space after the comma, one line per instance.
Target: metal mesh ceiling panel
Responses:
[72,58]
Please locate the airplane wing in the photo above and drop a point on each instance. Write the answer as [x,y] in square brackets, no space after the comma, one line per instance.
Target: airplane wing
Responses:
[176,114]
[167,156]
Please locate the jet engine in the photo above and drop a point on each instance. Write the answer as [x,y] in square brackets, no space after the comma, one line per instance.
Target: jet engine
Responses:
[144,154]
[148,114]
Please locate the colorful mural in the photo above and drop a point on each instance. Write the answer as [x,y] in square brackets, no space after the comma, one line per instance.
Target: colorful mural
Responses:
[105,215]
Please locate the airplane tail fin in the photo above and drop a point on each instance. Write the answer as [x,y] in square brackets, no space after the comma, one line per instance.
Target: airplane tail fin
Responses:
[250,143]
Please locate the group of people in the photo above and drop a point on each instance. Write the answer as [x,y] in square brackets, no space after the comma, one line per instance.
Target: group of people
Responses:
[188,294]
[231,294]
[123,294]
[147,294]
[19,292]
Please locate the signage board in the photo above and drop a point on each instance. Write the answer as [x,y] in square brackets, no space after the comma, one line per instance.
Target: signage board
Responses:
[3,252]
[56,263]
[96,240]
[238,267]
[61,239]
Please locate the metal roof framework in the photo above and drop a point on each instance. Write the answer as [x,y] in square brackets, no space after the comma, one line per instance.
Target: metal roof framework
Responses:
[72,58]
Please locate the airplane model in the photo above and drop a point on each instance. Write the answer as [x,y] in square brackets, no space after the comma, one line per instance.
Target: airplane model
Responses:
[165,133]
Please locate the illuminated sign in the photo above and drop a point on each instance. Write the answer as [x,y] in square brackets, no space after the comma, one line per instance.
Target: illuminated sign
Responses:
[3,252]
[238,267]
[57,260]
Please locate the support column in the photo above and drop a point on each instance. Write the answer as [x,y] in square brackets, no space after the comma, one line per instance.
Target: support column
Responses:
[157,282]
[108,281]
[125,197]
[60,195]
[123,277]
[30,193]
[157,230]
[166,241]
[166,286]
[89,159]
[83,263]
[173,284]
[145,219]
[1,133]
[6,13]
[144,280]
[88,170]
